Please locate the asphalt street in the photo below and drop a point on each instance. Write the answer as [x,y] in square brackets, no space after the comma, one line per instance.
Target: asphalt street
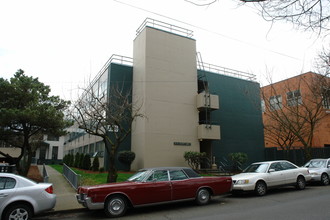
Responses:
[280,204]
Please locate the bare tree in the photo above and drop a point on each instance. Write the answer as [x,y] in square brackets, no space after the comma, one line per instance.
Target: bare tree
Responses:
[294,120]
[109,117]
[307,14]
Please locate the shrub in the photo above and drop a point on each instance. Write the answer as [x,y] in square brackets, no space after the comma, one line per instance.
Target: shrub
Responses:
[96,164]
[194,159]
[86,162]
[126,157]
[81,161]
[70,160]
[77,160]
[238,159]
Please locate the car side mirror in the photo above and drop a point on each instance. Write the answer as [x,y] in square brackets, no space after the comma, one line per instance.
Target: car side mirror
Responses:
[271,170]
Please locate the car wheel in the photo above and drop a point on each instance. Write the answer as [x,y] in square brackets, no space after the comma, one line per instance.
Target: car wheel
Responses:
[203,197]
[325,179]
[301,183]
[261,188]
[18,212]
[115,206]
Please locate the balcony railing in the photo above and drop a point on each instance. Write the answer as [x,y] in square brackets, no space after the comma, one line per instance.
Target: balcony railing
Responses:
[149,22]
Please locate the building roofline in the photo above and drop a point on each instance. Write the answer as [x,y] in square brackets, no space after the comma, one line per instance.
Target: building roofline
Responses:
[296,76]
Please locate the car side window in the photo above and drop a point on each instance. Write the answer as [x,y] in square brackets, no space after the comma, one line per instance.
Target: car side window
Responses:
[276,166]
[287,166]
[7,183]
[177,175]
[158,175]
[328,163]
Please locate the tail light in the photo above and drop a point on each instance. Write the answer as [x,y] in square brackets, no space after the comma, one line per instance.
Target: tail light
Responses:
[49,190]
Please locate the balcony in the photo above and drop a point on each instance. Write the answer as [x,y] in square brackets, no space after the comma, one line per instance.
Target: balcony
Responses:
[209,132]
[207,101]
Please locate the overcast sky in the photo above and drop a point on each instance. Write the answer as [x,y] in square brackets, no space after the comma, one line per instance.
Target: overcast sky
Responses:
[66,42]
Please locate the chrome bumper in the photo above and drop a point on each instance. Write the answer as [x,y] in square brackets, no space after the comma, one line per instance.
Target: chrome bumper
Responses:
[87,202]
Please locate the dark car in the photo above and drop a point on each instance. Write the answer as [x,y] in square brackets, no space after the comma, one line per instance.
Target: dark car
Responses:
[153,186]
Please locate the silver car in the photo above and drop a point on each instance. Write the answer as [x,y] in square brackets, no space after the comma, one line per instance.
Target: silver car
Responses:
[20,198]
[261,176]
[319,170]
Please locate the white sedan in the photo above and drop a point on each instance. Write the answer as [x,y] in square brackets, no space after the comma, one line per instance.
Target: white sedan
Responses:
[319,170]
[259,177]
[20,197]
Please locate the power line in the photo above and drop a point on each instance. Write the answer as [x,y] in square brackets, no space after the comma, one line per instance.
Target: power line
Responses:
[210,31]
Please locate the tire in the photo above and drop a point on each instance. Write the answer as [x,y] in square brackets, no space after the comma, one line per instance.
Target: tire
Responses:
[203,197]
[18,211]
[301,183]
[115,206]
[325,179]
[260,188]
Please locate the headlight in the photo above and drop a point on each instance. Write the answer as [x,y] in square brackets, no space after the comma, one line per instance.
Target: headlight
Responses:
[240,182]
[314,173]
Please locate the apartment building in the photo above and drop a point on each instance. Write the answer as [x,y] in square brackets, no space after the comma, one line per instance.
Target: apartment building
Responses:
[188,105]
[300,99]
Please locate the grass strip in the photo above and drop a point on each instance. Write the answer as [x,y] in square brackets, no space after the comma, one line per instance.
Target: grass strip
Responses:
[94,178]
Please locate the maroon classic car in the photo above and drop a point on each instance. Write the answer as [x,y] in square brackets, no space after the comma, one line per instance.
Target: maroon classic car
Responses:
[153,186]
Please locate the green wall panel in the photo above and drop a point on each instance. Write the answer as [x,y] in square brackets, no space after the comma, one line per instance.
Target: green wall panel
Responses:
[239,117]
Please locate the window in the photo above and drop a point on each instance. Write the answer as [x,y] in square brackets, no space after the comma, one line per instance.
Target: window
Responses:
[263,106]
[177,175]
[158,175]
[55,153]
[7,183]
[276,167]
[275,102]
[293,98]
[51,137]
[326,98]
[287,166]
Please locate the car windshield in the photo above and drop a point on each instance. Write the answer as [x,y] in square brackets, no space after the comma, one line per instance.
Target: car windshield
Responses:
[139,176]
[315,164]
[256,168]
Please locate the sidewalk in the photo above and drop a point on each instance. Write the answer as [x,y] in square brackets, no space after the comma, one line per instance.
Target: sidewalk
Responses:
[65,193]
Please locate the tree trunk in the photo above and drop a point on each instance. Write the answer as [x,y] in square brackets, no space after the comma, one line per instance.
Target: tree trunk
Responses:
[112,171]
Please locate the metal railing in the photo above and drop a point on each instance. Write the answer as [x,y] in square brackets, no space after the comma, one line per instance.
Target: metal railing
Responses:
[149,22]
[227,71]
[45,173]
[71,176]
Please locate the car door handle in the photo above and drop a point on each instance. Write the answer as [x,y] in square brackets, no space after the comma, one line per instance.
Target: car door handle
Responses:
[3,195]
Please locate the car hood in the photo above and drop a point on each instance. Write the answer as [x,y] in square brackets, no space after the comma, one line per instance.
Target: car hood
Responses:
[245,176]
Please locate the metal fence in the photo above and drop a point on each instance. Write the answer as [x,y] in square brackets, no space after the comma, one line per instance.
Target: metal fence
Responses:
[296,156]
[45,173]
[71,176]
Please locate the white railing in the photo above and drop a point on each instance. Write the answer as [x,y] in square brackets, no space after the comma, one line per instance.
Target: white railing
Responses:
[149,22]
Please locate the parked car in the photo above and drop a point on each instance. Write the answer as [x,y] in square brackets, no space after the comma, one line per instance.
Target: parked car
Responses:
[319,170]
[21,198]
[261,176]
[153,186]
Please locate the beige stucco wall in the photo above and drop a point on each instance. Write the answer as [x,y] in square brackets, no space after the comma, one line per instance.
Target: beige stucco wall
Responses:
[165,81]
